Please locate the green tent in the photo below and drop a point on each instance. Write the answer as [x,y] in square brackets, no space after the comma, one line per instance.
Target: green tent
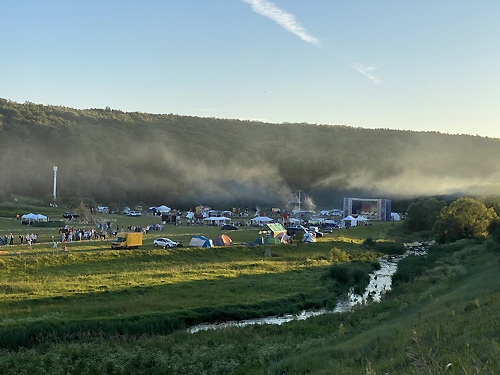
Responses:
[273,229]
[260,241]
[273,241]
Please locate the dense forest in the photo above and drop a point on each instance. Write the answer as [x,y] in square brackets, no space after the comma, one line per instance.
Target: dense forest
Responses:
[114,157]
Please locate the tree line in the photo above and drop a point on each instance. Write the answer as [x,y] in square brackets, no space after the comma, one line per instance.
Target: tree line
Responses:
[115,157]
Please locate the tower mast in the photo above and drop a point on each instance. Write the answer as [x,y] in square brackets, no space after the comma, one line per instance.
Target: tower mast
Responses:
[55,182]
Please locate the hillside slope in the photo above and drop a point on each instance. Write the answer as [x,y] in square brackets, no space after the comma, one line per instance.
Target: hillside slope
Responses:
[111,156]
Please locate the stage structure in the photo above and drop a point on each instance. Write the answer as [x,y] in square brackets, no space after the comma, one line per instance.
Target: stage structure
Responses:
[372,209]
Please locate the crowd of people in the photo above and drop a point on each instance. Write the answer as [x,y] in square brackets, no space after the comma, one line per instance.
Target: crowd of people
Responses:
[27,239]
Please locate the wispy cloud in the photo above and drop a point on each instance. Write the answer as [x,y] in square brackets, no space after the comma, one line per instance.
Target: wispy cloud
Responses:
[366,70]
[284,19]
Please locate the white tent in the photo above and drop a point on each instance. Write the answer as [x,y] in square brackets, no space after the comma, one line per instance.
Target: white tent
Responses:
[351,219]
[163,209]
[361,218]
[33,217]
[261,219]
[308,237]
[293,220]
[325,212]
[395,216]
[28,217]
[217,219]
[41,217]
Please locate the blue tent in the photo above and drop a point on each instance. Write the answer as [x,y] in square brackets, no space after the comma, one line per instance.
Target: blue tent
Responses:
[200,241]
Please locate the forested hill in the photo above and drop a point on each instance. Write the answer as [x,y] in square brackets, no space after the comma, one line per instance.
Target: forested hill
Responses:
[115,157]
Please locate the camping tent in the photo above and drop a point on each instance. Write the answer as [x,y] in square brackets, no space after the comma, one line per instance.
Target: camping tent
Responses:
[361,218]
[308,237]
[293,220]
[283,237]
[273,241]
[223,240]
[260,241]
[351,220]
[200,241]
[273,229]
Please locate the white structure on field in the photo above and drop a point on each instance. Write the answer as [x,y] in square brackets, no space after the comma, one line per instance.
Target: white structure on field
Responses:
[55,181]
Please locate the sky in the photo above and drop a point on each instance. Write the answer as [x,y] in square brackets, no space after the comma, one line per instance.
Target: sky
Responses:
[423,65]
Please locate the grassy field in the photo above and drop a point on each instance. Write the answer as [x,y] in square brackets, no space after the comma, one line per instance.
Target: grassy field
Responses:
[93,310]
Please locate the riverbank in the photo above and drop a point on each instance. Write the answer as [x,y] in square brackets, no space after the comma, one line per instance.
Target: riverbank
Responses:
[441,309]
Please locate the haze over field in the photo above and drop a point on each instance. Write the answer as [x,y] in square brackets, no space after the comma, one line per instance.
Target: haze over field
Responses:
[116,157]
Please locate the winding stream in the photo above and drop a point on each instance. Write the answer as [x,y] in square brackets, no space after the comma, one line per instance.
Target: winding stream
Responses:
[380,283]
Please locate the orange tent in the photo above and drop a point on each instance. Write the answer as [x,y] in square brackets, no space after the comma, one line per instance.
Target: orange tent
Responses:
[223,240]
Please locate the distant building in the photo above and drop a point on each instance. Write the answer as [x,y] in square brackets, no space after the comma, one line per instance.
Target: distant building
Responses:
[372,209]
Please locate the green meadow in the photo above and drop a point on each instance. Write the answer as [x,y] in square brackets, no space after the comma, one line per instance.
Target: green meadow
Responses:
[93,310]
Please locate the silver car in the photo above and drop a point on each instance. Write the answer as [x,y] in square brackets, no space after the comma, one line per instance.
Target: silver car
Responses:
[165,242]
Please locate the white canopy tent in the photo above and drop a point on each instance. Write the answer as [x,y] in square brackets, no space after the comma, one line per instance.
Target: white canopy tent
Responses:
[351,220]
[34,217]
[361,218]
[163,209]
[217,219]
[261,219]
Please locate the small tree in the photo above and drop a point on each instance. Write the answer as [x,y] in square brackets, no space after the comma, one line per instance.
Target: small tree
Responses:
[463,218]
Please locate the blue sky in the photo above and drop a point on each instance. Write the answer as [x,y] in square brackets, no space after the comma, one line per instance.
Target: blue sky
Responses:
[431,65]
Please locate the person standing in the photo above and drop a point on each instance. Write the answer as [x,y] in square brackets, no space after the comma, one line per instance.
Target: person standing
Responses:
[54,248]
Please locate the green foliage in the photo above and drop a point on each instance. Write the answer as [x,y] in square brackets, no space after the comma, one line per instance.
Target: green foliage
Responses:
[463,218]
[352,274]
[447,313]
[422,214]
[338,256]
[116,157]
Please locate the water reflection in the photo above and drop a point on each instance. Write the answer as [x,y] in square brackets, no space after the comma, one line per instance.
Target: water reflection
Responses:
[380,283]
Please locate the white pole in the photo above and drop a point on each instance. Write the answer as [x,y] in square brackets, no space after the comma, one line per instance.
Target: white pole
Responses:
[299,200]
[55,181]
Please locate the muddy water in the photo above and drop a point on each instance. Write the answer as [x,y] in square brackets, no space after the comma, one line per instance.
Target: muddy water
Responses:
[380,283]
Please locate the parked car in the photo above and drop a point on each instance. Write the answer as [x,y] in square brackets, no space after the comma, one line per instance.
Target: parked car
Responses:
[165,242]
[329,230]
[294,229]
[134,213]
[70,215]
[229,227]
